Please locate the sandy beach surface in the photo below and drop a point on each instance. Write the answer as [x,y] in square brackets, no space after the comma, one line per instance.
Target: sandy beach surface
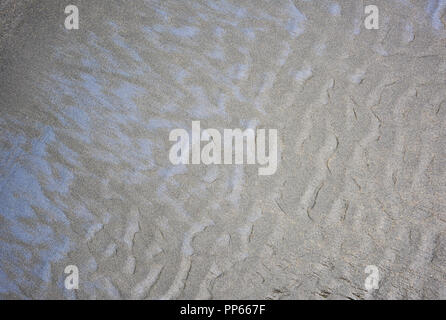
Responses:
[85,176]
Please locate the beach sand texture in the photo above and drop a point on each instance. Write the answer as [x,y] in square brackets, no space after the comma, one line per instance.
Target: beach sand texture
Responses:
[85,177]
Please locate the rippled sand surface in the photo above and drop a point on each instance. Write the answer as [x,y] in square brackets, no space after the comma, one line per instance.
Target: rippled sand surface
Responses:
[85,177]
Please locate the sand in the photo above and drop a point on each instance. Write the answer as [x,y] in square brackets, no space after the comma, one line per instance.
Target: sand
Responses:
[85,177]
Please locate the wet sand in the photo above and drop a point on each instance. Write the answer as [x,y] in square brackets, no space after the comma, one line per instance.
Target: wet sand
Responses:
[85,177]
